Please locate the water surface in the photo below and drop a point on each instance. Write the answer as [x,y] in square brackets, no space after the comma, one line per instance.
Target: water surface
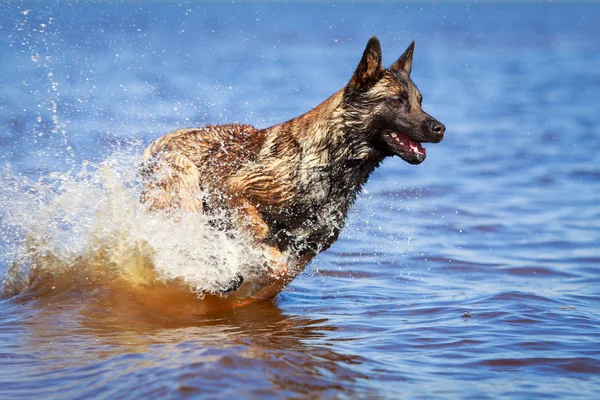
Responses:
[473,275]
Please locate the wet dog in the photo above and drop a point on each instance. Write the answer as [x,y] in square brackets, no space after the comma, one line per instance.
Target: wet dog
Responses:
[289,187]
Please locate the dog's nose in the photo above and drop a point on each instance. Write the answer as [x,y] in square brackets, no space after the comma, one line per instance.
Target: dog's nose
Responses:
[438,128]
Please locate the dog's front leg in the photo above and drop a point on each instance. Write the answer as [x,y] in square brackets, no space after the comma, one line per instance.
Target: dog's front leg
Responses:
[251,222]
[263,184]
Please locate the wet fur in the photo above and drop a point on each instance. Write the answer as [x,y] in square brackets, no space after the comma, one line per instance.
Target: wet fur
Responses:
[290,186]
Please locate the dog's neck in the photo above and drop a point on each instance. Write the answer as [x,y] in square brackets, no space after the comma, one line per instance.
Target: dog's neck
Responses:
[331,142]
[335,132]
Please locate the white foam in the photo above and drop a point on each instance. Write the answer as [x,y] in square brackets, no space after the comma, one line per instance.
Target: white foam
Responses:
[73,217]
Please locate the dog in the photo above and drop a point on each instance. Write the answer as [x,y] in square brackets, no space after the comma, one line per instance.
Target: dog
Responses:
[289,187]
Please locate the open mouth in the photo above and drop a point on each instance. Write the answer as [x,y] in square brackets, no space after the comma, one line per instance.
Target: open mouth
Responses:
[409,150]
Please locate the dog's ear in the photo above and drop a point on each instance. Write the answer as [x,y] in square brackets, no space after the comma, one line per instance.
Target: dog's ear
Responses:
[369,68]
[404,63]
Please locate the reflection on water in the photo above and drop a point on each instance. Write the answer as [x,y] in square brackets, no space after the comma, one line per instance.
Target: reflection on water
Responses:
[84,334]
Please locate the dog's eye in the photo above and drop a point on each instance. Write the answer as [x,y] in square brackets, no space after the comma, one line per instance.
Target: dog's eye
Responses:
[400,100]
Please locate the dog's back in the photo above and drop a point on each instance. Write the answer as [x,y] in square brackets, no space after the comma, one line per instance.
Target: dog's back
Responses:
[180,165]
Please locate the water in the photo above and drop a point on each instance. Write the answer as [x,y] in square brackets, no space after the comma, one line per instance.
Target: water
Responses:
[473,275]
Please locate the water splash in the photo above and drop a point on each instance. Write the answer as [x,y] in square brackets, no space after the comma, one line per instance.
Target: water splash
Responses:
[36,34]
[87,229]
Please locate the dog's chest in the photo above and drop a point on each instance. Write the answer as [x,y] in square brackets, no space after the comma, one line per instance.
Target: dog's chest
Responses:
[319,210]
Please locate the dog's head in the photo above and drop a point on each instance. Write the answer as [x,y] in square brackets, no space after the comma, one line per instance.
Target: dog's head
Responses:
[385,105]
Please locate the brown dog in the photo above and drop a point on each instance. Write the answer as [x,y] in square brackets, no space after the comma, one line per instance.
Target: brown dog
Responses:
[290,186]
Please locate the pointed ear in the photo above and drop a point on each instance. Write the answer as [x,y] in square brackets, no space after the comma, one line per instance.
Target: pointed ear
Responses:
[369,69]
[404,63]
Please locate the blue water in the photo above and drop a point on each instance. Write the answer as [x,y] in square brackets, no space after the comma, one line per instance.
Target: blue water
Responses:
[473,275]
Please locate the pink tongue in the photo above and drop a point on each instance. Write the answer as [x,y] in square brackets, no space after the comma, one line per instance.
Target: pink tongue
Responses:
[408,145]
[417,148]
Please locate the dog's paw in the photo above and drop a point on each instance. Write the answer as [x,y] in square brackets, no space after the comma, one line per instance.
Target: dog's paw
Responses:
[233,284]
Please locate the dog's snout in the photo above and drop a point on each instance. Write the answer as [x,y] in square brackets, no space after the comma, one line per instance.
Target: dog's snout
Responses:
[438,129]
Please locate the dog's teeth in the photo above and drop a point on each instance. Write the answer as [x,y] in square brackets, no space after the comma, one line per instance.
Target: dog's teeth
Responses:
[394,135]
